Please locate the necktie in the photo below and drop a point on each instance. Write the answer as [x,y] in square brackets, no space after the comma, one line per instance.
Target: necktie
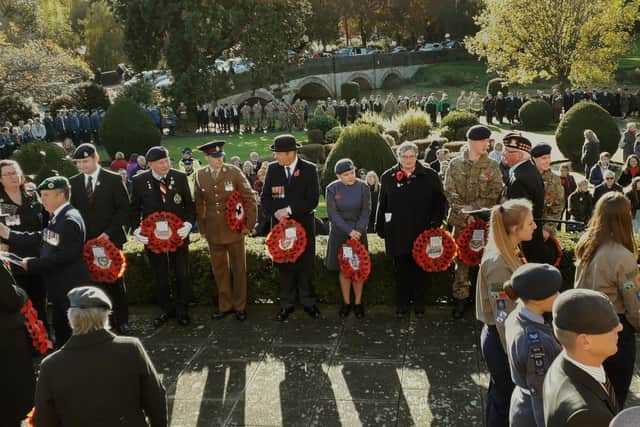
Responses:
[612,394]
[163,190]
[90,187]
[288,173]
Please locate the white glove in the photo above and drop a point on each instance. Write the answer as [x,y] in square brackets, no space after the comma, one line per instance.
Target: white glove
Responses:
[183,231]
[139,237]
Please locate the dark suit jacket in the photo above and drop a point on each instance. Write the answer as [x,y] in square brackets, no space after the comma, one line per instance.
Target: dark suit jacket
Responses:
[108,209]
[301,195]
[573,398]
[113,378]
[146,199]
[60,263]
[602,189]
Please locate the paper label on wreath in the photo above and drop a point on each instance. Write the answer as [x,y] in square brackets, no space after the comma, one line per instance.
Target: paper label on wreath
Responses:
[289,239]
[435,249]
[239,211]
[354,261]
[477,240]
[347,252]
[162,231]
[100,258]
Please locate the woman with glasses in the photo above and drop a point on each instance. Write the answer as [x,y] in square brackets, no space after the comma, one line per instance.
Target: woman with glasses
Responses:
[22,212]
[608,185]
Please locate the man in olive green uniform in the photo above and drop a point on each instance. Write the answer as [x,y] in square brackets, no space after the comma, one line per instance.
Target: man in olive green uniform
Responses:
[214,185]
[245,113]
[472,181]
[283,111]
[270,118]
[257,117]
[553,189]
[390,107]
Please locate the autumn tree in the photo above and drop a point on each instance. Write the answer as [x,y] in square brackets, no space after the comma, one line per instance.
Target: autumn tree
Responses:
[577,41]
[103,37]
[323,21]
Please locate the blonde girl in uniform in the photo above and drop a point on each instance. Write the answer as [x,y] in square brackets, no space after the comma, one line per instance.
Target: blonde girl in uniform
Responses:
[607,262]
[511,224]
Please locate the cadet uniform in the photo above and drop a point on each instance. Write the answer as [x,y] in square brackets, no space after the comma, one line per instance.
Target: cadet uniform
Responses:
[474,183]
[613,270]
[228,260]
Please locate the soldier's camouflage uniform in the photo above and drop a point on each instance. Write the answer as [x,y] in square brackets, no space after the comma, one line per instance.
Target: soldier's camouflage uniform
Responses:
[553,200]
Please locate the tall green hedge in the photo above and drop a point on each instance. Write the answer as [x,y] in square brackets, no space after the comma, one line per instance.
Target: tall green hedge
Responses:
[15,108]
[535,114]
[323,122]
[457,123]
[414,124]
[41,160]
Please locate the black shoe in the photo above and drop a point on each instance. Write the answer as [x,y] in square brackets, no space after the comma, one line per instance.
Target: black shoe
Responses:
[124,329]
[401,313]
[419,313]
[161,320]
[284,313]
[217,314]
[312,311]
[184,319]
[459,306]
[241,315]
[344,310]
[358,310]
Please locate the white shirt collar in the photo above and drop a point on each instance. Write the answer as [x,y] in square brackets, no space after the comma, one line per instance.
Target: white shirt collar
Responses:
[597,372]
[94,177]
[60,208]
[292,166]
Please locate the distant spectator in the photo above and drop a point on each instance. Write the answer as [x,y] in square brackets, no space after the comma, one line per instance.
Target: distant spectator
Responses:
[119,162]
[247,169]
[568,183]
[597,171]
[631,170]
[374,187]
[580,204]
[255,161]
[132,163]
[590,151]
[633,194]
[235,160]
[430,153]
[628,140]
[608,185]
[496,153]
[442,155]
[38,130]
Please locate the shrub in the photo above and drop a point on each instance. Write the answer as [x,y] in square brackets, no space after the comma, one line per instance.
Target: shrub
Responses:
[586,115]
[394,133]
[363,145]
[454,146]
[371,119]
[141,92]
[391,142]
[350,90]
[454,122]
[313,153]
[414,124]
[62,102]
[44,159]
[324,123]
[128,128]
[315,136]
[535,114]
[497,85]
[15,108]
[331,137]
[91,96]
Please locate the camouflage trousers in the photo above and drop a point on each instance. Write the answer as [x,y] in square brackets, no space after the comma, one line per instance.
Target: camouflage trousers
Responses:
[461,284]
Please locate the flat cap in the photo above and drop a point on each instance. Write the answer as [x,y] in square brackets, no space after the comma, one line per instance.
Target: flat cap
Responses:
[517,141]
[283,143]
[213,148]
[478,133]
[88,297]
[540,150]
[54,183]
[584,311]
[343,165]
[83,151]
[533,281]
[156,153]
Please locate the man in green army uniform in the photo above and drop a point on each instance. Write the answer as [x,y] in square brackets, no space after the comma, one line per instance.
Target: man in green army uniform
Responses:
[257,117]
[553,189]
[462,104]
[389,108]
[245,113]
[331,108]
[320,109]
[472,181]
[270,118]
[283,111]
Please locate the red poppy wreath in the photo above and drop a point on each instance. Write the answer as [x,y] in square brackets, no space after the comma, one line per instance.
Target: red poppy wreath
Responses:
[471,242]
[105,261]
[358,266]
[36,329]
[236,212]
[434,250]
[286,241]
[162,230]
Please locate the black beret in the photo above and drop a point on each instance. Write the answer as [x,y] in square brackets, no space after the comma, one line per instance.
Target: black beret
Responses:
[213,148]
[343,165]
[584,311]
[517,141]
[283,143]
[83,151]
[156,153]
[186,150]
[88,297]
[54,183]
[540,150]
[533,281]
[478,133]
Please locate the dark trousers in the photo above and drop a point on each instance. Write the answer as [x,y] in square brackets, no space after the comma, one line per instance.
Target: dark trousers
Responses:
[295,278]
[619,367]
[500,384]
[410,282]
[32,284]
[161,265]
[117,293]
[61,328]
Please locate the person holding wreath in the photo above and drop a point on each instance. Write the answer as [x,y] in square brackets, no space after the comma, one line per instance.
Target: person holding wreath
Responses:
[411,201]
[348,206]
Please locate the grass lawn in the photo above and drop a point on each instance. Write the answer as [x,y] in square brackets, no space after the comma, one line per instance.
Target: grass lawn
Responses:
[631,60]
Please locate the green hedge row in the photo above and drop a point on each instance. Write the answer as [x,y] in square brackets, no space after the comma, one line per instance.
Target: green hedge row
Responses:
[263,280]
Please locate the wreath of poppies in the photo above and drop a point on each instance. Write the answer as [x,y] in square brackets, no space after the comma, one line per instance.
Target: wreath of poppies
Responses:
[105,269]
[436,260]
[160,242]
[282,249]
[470,250]
[552,241]
[358,267]
[36,328]
[236,213]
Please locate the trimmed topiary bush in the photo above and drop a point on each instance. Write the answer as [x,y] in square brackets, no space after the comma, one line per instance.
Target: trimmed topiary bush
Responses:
[456,121]
[141,92]
[350,90]
[128,128]
[535,114]
[497,85]
[390,140]
[324,123]
[586,115]
[362,144]
[414,124]
[91,96]
[313,153]
[371,119]
[15,108]
[314,136]
[62,102]
[331,137]
[44,159]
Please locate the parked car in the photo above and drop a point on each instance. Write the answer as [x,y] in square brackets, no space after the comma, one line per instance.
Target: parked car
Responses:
[352,51]
[452,44]
[398,49]
[431,47]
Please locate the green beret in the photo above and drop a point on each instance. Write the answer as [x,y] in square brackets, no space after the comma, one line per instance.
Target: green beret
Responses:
[54,183]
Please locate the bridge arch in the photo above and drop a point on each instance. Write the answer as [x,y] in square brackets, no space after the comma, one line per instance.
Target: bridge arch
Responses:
[313,88]
[391,78]
[260,94]
[363,80]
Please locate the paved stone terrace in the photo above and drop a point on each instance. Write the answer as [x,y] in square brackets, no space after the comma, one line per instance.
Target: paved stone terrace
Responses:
[378,371]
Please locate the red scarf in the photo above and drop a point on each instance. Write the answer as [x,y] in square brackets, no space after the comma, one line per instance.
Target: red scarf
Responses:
[635,171]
